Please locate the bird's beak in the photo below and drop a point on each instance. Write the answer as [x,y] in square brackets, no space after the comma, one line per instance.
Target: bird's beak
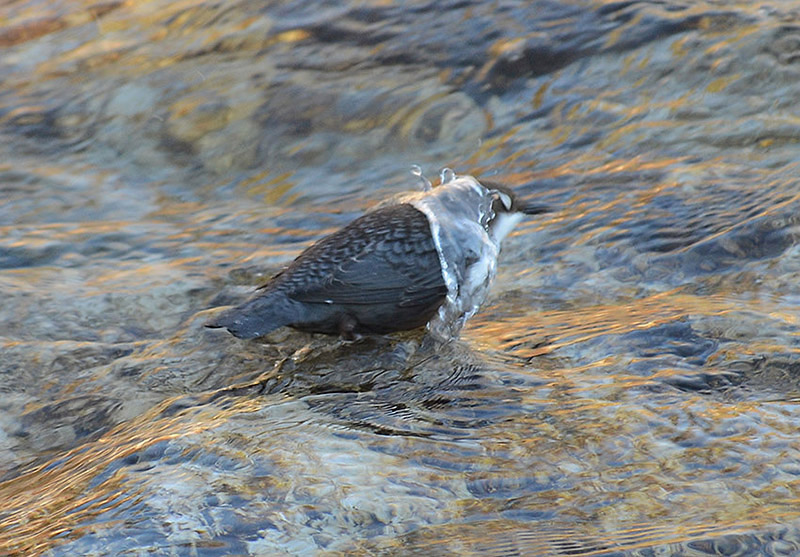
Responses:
[530,208]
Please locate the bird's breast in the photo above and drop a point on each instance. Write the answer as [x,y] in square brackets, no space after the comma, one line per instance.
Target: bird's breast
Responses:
[467,252]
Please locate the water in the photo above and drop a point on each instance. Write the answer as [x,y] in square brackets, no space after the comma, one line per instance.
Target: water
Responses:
[460,212]
[630,387]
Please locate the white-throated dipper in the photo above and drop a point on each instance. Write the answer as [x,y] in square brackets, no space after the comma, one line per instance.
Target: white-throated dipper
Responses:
[426,258]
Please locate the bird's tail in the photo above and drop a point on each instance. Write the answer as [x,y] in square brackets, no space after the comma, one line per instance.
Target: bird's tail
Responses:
[254,318]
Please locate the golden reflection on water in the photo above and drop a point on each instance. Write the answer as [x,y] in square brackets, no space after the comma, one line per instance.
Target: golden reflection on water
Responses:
[504,537]
[54,498]
[652,459]
[579,436]
[558,329]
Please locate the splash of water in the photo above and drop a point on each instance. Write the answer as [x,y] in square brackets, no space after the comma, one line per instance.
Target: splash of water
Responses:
[459,212]
[447,175]
[416,170]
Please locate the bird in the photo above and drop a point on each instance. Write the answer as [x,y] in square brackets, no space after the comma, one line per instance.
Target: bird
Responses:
[424,258]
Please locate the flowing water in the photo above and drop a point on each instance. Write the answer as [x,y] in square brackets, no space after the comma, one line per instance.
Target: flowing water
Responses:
[631,387]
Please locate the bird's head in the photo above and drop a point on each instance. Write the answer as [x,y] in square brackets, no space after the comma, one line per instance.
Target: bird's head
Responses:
[508,210]
[462,199]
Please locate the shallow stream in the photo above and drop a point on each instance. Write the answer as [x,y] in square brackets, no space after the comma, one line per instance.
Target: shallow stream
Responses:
[632,386]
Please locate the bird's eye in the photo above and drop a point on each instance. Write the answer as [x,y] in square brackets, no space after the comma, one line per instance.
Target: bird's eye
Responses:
[504,198]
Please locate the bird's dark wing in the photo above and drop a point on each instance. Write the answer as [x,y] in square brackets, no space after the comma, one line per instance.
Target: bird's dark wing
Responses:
[385,257]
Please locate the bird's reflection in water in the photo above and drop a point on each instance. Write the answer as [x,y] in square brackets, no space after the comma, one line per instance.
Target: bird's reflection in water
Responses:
[404,384]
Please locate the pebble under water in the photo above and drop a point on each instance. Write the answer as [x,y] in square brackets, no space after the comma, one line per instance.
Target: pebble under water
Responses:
[631,387]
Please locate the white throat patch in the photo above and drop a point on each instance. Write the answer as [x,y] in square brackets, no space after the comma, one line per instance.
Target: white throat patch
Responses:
[503,224]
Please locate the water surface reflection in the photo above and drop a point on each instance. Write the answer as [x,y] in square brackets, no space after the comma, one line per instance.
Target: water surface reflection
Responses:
[631,386]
